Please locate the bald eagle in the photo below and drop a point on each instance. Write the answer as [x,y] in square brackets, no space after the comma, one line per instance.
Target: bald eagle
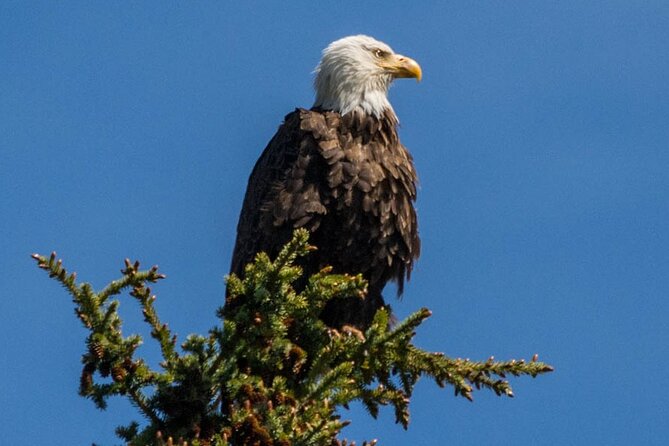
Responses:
[339,170]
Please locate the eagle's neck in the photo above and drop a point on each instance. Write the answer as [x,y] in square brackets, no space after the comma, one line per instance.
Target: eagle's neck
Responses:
[352,95]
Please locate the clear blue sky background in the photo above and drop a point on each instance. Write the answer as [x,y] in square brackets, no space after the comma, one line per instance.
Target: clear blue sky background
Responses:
[540,133]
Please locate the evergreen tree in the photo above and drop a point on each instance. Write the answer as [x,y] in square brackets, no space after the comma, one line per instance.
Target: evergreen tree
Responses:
[272,373]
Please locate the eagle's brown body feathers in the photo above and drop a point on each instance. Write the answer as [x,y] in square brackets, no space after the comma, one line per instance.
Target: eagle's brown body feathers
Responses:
[350,181]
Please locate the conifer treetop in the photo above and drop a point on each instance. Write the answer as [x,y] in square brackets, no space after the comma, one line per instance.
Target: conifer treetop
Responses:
[272,373]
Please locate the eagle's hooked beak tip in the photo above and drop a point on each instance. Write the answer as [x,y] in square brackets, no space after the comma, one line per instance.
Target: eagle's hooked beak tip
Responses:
[406,67]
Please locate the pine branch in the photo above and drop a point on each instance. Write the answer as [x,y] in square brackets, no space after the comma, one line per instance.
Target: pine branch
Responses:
[109,354]
[159,331]
[272,373]
[132,277]
[334,379]
[56,270]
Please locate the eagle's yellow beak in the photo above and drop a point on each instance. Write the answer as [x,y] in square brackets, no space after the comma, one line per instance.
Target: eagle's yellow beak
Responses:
[402,66]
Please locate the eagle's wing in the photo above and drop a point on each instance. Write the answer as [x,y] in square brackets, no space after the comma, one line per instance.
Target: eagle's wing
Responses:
[283,192]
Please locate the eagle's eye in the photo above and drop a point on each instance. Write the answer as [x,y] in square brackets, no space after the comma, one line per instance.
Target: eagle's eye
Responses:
[379,53]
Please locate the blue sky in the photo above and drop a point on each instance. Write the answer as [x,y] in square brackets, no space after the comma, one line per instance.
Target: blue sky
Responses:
[540,133]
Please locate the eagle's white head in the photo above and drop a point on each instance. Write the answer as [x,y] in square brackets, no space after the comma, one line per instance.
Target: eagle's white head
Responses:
[355,73]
